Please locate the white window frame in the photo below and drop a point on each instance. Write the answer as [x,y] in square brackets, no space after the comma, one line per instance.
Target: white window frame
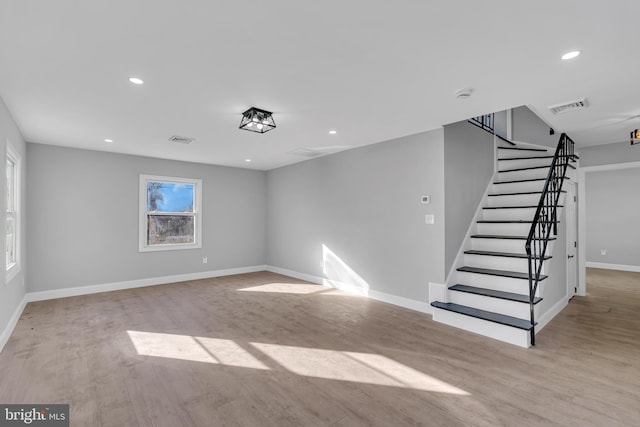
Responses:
[13,268]
[143,213]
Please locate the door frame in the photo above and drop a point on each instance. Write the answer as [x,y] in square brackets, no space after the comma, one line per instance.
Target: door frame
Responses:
[582,217]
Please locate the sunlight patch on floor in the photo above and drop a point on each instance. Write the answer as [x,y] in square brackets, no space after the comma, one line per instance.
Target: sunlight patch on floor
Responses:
[195,349]
[365,368]
[352,366]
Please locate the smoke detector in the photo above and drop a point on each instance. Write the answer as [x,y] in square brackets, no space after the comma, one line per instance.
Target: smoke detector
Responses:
[181,139]
[569,106]
[464,93]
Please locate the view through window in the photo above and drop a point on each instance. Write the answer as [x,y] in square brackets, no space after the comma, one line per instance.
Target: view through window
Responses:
[170,218]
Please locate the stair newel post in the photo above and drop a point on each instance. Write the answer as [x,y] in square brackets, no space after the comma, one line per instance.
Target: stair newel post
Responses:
[531,292]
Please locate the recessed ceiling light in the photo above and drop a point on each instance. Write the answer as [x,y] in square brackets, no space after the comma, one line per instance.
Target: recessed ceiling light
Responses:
[333,132]
[136,81]
[571,55]
[247,160]
[108,140]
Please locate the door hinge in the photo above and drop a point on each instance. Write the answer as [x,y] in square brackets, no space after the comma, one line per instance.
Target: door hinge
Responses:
[575,244]
[575,199]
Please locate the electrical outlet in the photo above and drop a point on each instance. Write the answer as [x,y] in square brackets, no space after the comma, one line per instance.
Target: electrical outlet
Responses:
[204,260]
[603,251]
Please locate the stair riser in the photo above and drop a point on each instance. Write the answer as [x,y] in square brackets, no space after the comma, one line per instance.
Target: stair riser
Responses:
[510,154]
[526,174]
[515,200]
[498,263]
[498,245]
[505,245]
[493,330]
[513,214]
[522,163]
[507,284]
[509,229]
[496,305]
[517,187]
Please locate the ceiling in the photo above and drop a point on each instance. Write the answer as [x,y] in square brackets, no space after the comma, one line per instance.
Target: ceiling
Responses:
[372,70]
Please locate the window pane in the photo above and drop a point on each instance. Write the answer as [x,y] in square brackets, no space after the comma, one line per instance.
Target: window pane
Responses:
[11,241]
[10,185]
[169,197]
[170,229]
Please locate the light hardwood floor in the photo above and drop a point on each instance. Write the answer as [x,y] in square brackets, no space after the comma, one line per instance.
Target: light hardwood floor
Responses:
[266,350]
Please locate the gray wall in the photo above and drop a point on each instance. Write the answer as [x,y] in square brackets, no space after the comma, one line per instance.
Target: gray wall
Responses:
[608,154]
[83,218]
[468,168]
[500,120]
[364,206]
[11,293]
[612,201]
[526,126]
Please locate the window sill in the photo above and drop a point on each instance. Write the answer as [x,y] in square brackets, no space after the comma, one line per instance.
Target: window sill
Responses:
[12,272]
[163,248]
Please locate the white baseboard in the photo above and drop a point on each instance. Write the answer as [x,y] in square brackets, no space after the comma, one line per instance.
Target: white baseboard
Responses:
[551,313]
[13,321]
[130,284]
[620,267]
[295,274]
[411,304]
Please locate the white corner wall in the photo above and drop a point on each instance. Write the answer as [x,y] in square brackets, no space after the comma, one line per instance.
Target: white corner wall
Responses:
[12,293]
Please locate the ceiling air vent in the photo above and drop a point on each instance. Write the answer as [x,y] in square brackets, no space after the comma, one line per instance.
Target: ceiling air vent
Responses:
[570,106]
[181,139]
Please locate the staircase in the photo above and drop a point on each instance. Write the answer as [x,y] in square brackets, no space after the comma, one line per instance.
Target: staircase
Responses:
[492,294]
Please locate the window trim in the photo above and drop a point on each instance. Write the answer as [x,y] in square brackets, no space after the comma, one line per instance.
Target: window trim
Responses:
[142,224]
[13,269]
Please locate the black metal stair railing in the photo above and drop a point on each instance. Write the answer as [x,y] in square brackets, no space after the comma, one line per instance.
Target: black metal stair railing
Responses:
[545,218]
[486,122]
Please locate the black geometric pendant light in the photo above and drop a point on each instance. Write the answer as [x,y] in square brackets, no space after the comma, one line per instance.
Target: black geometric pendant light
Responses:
[257,120]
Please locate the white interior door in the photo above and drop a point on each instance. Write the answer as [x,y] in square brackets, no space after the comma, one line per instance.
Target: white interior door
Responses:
[572,238]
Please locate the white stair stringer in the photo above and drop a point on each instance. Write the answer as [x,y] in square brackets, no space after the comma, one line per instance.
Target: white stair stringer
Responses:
[496,241]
